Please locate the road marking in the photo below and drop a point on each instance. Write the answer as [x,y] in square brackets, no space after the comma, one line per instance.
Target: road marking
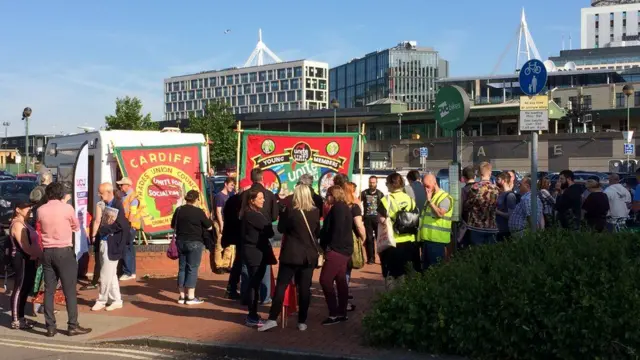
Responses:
[130,353]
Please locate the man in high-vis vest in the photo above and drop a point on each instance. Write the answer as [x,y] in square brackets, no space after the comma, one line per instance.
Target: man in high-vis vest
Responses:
[130,204]
[435,222]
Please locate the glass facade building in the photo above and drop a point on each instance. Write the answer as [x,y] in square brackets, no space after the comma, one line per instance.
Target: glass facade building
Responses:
[285,86]
[405,73]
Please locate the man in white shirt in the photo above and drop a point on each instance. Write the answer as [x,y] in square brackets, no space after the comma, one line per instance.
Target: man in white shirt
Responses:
[619,200]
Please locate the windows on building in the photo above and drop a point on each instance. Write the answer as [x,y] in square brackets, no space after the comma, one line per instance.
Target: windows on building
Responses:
[620,100]
[636,99]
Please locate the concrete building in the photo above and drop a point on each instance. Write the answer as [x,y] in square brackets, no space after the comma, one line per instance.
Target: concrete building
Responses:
[404,73]
[292,85]
[37,144]
[610,23]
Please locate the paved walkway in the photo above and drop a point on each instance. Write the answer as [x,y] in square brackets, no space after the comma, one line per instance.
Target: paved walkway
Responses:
[151,309]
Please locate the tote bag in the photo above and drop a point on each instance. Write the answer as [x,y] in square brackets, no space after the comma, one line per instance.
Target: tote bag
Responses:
[172,251]
[385,239]
[357,258]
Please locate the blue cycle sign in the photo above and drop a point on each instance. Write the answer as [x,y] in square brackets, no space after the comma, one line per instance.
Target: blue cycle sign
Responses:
[533,77]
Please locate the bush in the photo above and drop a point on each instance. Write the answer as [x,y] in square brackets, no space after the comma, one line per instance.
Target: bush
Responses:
[550,295]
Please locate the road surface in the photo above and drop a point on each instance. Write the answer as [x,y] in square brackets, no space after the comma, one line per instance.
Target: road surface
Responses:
[28,349]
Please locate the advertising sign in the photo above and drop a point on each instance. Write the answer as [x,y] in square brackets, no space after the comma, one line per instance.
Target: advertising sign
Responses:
[452,107]
[80,196]
[285,156]
[162,175]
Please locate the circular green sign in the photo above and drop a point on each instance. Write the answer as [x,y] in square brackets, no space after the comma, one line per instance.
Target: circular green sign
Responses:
[452,107]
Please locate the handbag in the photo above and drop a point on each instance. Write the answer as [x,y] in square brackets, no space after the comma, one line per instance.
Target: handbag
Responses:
[407,221]
[172,250]
[385,239]
[357,258]
[315,245]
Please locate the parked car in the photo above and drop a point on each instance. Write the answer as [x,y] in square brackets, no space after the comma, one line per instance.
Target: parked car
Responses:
[28,177]
[11,192]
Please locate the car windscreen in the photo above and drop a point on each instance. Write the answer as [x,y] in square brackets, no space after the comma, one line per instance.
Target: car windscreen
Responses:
[12,188]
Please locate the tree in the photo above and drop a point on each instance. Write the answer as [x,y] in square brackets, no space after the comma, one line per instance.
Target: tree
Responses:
[217,122]
[129,116]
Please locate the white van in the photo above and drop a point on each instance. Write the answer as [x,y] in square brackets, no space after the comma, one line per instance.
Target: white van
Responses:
[103,167]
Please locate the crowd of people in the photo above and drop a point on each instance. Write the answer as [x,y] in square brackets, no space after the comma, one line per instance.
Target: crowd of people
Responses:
[409,229]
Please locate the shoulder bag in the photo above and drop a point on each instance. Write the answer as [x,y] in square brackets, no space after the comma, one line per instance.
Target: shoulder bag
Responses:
[315,244]
[172,251]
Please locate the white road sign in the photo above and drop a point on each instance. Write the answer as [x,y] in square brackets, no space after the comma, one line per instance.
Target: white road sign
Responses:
[534,120]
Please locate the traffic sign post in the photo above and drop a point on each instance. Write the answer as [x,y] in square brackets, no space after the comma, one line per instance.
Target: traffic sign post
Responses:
[424,154]
[451,111]
[629,149]
[534,117]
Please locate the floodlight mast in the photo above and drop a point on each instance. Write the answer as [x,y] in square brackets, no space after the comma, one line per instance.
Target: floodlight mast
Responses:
[257,56]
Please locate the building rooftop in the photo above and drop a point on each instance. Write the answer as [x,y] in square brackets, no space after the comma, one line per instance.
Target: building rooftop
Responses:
[246,69]
[515,76]
[603,51]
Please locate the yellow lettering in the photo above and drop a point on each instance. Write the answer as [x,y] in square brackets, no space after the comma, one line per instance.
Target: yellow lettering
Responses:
[162,156]
[143,161]
[176,158]
[152,158]
[187,160]
[133,163]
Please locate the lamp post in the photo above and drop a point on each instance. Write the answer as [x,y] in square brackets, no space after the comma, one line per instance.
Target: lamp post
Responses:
[6,125]
[628,91]
[335,104]
[26,114]
[400,125]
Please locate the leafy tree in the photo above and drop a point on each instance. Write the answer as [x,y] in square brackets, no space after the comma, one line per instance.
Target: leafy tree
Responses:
[217,122]
[129,116]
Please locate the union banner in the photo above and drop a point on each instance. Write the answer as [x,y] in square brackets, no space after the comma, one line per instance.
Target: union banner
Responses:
[161,176]
[285,156]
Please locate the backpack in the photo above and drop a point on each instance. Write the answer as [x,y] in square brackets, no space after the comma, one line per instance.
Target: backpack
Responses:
[407,221]
[518,196]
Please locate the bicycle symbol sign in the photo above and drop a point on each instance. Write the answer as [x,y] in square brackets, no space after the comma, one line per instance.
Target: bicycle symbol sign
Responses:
[533,77]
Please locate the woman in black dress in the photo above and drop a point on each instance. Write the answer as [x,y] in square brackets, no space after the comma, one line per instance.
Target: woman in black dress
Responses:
[595,206]
[255,250]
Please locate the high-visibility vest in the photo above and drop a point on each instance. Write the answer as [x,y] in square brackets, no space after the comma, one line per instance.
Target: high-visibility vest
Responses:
[395,202]
[131,212]
[433,228]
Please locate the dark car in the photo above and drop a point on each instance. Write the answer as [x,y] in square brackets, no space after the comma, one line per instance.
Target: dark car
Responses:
[11,192]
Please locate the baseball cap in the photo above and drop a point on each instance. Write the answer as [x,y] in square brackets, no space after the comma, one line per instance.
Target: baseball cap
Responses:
[124,181]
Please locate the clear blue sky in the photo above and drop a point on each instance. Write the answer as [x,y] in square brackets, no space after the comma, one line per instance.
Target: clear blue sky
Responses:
[69,60]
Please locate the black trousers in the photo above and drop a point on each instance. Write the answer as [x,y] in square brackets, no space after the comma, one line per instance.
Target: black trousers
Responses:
[25,270]
[60,264]
[97,263]
[234,276]
[396,260]
[256,273]
[303,275]
[370,226]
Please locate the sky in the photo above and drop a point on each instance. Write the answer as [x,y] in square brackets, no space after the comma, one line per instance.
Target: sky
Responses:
[69,60]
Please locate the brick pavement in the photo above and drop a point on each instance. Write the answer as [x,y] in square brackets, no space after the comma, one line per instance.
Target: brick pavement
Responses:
[221,320]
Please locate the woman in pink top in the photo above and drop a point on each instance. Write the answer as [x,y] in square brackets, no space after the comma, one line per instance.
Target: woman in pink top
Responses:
[24,252]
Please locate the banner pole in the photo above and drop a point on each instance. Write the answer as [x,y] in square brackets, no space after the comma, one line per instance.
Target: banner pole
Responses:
[208,154]
[361,157]
[239,131]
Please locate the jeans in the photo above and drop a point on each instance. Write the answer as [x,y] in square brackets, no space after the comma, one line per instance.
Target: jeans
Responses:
[370,226]
[334,269]
[25,269]
[255,276]
[129,259]
[482,238]
[265,285]
[432,252]
[60,264]
[303,276]
[190,254]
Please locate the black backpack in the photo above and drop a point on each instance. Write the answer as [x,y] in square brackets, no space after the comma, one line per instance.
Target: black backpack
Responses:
[407,221]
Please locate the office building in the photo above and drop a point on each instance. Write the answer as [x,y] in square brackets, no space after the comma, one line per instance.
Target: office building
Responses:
[37,144]
[610,23]
[612,58]
[293,85]
[405,73]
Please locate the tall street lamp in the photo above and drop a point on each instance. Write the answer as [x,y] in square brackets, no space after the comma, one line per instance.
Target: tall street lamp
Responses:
[628,91]
[6,125]
[26,114]
[335,104]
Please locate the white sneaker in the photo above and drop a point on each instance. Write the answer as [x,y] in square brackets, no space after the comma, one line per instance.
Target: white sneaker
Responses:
[269,324]
[98,306]
[302,327]
[127,277]
[114,306]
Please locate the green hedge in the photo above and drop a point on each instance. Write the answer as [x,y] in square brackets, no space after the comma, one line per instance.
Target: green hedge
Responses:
[551,295]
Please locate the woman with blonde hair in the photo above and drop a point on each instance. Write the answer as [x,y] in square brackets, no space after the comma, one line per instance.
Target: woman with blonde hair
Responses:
[300,226]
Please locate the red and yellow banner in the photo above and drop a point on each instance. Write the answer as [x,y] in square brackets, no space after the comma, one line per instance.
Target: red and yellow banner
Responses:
[161,176]
[285,156]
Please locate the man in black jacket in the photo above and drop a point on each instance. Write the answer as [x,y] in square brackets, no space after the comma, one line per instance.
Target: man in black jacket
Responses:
[569,202]
[114,233]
